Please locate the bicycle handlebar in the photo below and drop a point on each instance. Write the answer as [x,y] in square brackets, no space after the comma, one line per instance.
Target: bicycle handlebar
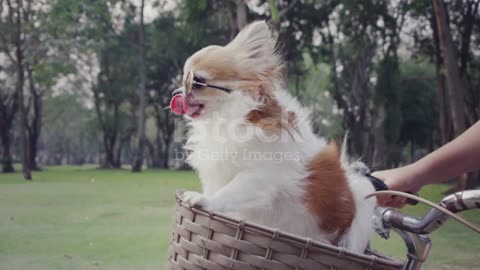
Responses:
[456,202]
[415,230]
[461,201]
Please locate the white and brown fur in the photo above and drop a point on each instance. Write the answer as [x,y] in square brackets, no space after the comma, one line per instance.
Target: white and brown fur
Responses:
[316,194]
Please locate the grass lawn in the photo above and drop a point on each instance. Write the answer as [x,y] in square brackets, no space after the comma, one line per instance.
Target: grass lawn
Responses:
[84,218]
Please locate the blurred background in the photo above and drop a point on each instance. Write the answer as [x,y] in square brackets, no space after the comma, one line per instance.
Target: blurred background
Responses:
[85,87]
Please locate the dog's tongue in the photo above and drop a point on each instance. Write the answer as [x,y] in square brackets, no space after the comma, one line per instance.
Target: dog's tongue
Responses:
[176,104]
[180,105]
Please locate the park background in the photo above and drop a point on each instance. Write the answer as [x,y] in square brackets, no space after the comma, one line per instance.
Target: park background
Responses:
[84,87]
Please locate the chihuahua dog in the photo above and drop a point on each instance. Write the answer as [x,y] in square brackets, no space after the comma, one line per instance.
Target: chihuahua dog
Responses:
[255,152]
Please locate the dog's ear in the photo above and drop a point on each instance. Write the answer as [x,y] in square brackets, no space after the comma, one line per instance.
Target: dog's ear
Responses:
[256,43]
[255,40]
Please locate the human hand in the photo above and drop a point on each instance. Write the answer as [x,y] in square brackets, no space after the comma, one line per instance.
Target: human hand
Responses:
[406,179]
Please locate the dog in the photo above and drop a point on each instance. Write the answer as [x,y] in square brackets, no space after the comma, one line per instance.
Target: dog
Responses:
[255,152]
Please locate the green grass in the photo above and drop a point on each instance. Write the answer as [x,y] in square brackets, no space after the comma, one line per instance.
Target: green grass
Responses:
[84,218]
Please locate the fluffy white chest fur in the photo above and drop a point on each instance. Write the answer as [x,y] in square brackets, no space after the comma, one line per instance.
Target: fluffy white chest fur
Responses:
[256,154]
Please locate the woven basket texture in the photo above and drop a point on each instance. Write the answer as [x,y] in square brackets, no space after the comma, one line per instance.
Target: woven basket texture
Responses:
[213,241]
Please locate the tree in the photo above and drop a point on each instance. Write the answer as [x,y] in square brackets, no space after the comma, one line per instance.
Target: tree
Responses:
[70,134]
[138,159]
[13,39]
[31,41]
[169,48]
[99,38]
[418,109]
[34,109]
[114,96]
[359,41]
[8,109]
[461,19]
[172,39]
[455,87]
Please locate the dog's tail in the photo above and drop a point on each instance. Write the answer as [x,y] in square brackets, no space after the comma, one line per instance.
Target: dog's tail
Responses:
[361,229]
[343,151]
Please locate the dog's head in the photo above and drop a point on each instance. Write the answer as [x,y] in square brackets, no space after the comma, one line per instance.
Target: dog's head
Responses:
[217,76]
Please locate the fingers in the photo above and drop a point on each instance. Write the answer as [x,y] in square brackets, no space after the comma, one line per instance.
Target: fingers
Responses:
[384,199]
[397,202]
[388,200]
[391,201]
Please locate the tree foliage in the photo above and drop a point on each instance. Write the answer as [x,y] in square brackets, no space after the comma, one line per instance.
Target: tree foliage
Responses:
[372,68]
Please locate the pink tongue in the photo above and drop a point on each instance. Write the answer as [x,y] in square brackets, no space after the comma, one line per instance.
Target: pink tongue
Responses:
[180,105]
[176,104]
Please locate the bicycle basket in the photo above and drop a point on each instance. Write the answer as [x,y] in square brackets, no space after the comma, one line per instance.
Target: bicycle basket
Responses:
[213,241]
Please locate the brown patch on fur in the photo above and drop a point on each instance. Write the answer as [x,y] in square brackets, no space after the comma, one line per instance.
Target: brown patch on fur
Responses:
[328,194]
[220,64]
[276,72]
[219,69]
[270,115]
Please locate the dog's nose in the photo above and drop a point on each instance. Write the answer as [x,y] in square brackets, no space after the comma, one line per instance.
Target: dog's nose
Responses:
[178,90]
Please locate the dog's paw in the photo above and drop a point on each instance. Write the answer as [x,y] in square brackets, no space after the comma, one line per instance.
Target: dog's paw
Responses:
[192,198]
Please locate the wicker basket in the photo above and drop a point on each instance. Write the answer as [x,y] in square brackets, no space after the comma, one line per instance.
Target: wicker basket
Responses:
[205,240]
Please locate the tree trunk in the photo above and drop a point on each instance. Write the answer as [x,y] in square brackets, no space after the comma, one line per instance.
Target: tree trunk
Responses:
[117,158]
[444,117]
[151,161]
[25,151]
[379,159]
[138,160]
[455,87]
[7,164]
[168,130]
[8,109]
[112,152]
[35,126]
[111,162]
[163,162]
[466,35]
[359,97]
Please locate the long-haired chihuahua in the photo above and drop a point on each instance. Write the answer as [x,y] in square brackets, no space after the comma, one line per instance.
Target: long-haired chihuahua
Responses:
[255,152]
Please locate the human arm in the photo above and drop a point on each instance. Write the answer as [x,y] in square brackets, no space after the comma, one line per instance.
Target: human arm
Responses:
[455,158]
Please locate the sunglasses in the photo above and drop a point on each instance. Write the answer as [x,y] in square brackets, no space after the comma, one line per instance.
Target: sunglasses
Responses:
[190,81]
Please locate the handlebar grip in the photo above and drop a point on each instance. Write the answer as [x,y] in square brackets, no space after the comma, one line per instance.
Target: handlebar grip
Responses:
[378,184]
[410,201]
[461,201]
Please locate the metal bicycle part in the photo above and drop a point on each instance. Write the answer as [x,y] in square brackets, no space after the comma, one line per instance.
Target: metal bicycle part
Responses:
[415,230]
[418,248]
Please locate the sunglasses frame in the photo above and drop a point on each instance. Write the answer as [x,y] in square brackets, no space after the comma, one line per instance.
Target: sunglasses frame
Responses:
[189,81]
